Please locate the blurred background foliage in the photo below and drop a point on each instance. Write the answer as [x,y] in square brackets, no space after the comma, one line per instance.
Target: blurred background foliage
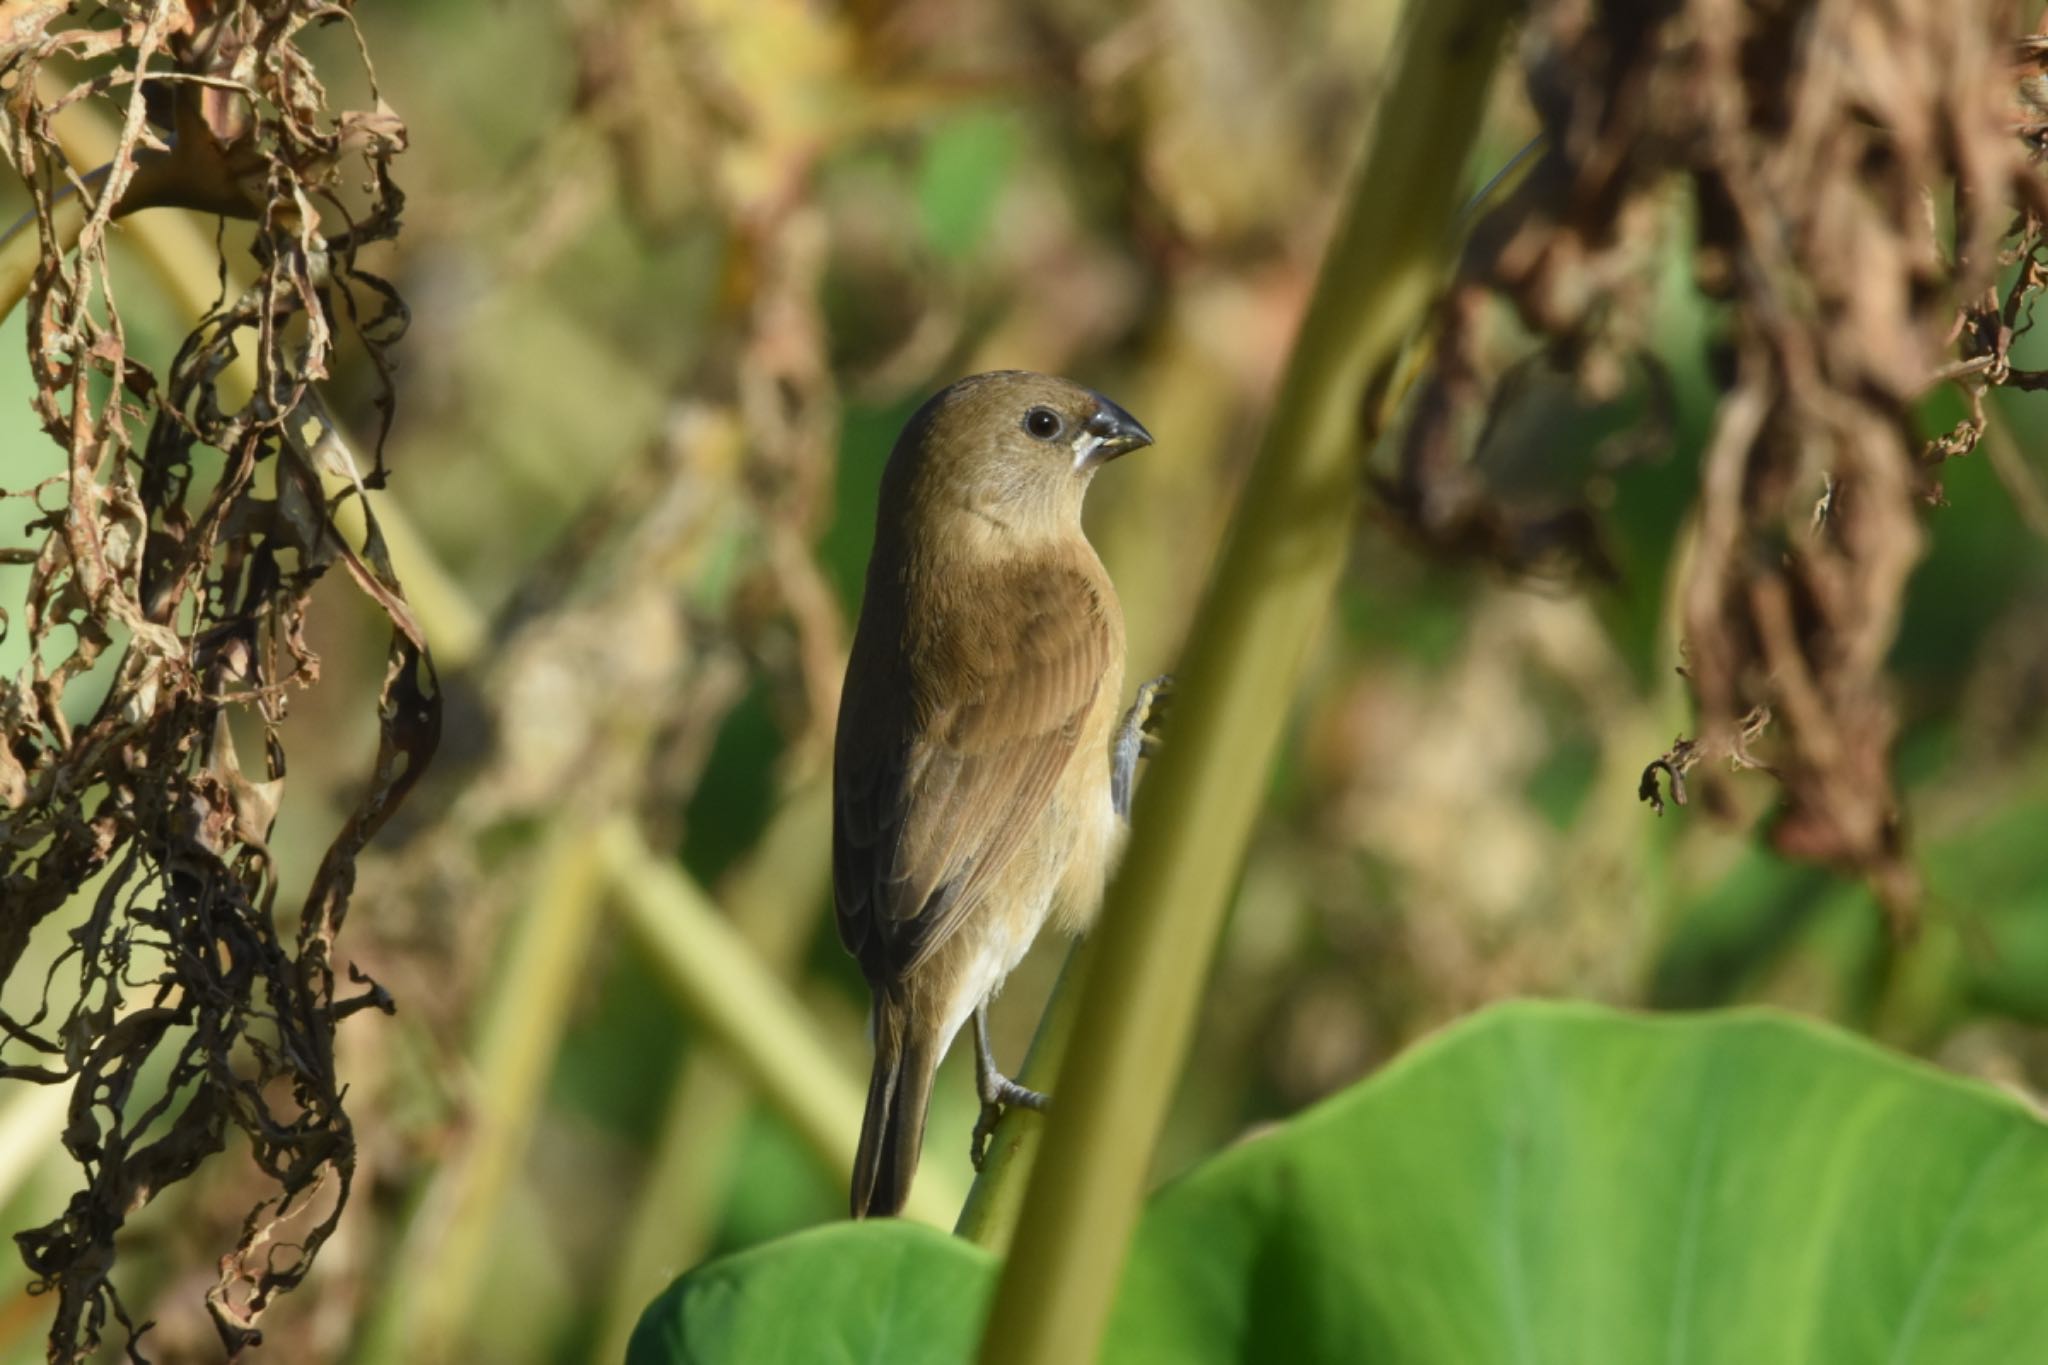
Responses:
[678,271]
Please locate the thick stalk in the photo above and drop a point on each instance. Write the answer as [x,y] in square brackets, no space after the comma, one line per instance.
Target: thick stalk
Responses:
[989,1218]
[1267,597]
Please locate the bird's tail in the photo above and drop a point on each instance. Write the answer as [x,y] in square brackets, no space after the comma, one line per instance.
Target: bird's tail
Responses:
[899,1091]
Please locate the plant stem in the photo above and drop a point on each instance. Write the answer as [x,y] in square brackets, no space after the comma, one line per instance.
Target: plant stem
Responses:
[989,1218]
[448,1241]
[747,1009]
[772,903]
[1267,597]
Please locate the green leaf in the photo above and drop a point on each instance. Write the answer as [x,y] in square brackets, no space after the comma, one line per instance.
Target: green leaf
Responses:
[1560,1183]
[1545,1183]
[883,1292]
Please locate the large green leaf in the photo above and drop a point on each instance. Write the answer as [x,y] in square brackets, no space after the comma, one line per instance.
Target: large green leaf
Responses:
[1564,1184]
[1546,1183]
[843,1293]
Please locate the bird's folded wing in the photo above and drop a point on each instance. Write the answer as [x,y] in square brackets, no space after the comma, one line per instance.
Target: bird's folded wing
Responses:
[936,793]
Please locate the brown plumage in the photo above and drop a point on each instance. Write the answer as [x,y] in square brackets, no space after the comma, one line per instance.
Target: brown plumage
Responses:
[971,773]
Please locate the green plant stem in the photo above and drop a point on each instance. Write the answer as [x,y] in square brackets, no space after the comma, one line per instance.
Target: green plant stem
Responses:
[772,904]
[449,1239]
[989,1218]
[1267,597]
[749,1011]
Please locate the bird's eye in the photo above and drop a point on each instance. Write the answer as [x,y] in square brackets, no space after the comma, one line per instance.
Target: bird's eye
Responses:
[1043,423]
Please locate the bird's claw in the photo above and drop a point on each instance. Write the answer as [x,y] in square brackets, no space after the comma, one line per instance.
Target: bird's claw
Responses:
[997,1100]
[1149,707]
[984,1129]
[1137,736]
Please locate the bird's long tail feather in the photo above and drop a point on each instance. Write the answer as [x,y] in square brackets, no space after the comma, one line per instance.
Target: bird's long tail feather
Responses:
[899,1093]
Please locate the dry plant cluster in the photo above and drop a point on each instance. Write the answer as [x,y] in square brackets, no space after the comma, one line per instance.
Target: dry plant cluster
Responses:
[172,564]
[1854,186]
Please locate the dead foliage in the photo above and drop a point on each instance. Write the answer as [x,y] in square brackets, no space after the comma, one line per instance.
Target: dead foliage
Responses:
[1856,174]
[171,565]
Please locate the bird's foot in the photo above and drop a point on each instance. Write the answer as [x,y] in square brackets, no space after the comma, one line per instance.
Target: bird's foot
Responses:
[1137,736]
[998,1094]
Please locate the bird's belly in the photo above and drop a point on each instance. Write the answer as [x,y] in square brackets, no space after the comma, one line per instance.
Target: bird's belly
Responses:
[994,955]
[1060,868]
[1095,839]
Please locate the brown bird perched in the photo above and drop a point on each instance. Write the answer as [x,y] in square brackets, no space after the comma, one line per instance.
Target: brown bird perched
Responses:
[973,794]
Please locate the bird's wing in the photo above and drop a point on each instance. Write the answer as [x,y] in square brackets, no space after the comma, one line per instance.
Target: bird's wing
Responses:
[935,790]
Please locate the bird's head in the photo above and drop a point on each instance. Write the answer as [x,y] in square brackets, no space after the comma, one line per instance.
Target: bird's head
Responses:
[1012,449]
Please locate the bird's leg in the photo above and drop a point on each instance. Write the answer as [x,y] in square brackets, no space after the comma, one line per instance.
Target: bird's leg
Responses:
[1135,739]
[997,1091]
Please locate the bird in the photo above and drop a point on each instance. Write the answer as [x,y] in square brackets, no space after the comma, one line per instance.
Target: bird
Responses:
[973,791]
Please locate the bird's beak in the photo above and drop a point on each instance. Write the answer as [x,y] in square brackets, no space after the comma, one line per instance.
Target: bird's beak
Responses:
[1109,433]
